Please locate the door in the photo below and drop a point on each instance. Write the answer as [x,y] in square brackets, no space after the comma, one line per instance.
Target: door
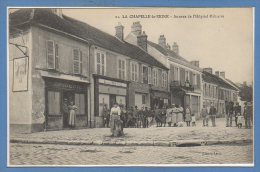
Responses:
[112,100]
[67,98]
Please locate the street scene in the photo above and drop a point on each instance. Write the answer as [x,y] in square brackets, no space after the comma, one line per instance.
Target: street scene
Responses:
[107,87]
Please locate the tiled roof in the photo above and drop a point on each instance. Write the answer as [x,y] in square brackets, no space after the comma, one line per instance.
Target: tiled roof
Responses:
[210,78]
[82,30]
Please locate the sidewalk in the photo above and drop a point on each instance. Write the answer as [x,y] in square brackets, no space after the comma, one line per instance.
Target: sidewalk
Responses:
[153,136]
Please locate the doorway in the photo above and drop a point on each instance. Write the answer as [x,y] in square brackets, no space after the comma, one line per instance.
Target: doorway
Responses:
[112,100]
[67,98]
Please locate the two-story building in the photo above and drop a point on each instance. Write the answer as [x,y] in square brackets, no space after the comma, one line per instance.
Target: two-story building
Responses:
[217,91]
[184,79]
[48,68]
[68,60]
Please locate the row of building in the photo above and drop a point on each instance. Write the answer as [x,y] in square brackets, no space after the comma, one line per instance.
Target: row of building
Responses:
[55,59]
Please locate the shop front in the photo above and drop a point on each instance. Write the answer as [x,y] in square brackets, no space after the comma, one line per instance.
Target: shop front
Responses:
[59,94]
[108,91]
[159,98]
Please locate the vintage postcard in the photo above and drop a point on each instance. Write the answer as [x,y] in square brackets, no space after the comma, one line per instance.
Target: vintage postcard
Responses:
[130,87]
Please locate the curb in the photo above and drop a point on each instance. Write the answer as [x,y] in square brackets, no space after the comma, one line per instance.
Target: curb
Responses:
[177,143]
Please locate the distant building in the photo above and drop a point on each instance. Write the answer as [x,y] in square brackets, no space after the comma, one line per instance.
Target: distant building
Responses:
[217,91]
[184,77]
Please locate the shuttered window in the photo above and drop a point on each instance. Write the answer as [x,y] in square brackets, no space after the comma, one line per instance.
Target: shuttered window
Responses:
[121,68]
[77,61]
[145,74]
[53,103]
[80,103]
[100,63]
[50,54]
[182,76]
[134,71]
[155,77]
[164,79]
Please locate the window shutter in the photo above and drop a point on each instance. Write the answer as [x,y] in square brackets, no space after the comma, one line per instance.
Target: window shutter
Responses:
[191,78]
[76,58]
[198,81]
[50,55]
[80,62]
[57,59]
[182,76]
[149,75]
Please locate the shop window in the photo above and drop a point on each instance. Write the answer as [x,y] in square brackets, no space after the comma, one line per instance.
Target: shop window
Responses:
[100,63]
[80,103]
[77,61]
[53,103]
[134,71]
[121,69]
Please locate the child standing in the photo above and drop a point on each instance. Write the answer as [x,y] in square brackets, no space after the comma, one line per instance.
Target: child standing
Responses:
[193,120]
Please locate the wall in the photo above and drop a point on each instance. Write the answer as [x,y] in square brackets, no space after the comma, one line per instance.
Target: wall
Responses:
[20,104]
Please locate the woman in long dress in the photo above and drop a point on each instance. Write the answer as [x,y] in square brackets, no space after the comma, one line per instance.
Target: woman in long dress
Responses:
[116,125]
[188,115]
[179,114]
[72,114]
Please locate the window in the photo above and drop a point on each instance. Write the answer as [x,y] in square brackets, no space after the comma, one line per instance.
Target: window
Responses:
[155,77]
[53,103]
[164,79]
[80,103]
[134,71]
[194,79]
[121,69]
[149,75]
[143,99]
[187,76]
[77,61]
[50,54]
[100,63]
[176,74]
[145,74]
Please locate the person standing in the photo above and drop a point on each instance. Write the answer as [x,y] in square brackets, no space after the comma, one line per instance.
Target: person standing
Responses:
[248,113]
[72,114]
[212,114]
[204,115]
[179,117]
[237,110]
[188,115]
[227,112]
[116,127]
[230,114]
[106,116]
[169,115]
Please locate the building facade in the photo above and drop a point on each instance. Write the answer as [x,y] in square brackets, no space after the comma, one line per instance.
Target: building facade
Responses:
[216,91]
[184,79]
[66,60]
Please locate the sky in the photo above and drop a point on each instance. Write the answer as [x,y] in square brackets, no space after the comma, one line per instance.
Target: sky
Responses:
[221,38]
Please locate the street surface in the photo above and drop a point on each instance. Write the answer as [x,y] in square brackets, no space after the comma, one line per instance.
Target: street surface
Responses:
[145,134]
[30,154]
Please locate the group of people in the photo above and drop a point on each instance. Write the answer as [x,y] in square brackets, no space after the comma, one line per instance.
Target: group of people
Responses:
[119,117]
[209,113]
[245,118]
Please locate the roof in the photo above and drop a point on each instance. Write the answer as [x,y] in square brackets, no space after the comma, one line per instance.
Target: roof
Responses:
[82,30]
[210,78]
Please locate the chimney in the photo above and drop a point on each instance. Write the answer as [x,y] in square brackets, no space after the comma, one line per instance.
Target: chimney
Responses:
[136,28]
[208,69]
[57,11]
[162,41]
[142,41]
[120,31]
[222,74]
[175,48]
[217,73]
[195,63]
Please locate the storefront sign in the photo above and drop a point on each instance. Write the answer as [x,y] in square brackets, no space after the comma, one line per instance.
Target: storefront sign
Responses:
[65,85]
[20,74]
[114,83]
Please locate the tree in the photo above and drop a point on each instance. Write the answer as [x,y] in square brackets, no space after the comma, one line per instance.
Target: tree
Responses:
[246,93]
